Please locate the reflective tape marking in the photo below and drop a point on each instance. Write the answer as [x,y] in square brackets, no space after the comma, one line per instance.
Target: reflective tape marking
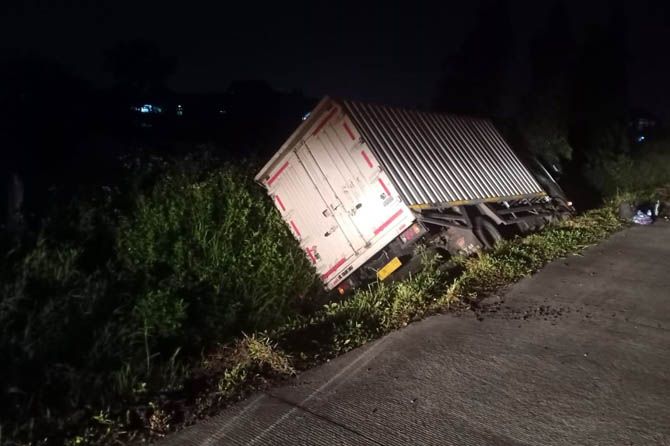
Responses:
[386,189]
[351,134]
[280,202]
[325,120]
[332,270]
[295,228]
[367,160]
[274,177]
[311,256]
[388,222]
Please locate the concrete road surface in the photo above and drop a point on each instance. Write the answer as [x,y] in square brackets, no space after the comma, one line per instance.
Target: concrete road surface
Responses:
[578,354]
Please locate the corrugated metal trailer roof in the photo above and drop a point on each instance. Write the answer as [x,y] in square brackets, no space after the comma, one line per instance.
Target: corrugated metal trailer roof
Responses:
[436,159]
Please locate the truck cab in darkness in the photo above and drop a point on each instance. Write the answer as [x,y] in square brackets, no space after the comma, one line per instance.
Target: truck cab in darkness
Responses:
[548,177]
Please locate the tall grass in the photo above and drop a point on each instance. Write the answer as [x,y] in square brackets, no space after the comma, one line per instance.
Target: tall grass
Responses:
[118,296]
[212,256]
[511,260]
[382,307]
[370,312]
[127,297]
[644,170]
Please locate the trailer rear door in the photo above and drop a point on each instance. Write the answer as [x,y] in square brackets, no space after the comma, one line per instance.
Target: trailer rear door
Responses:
[332,192]
[309,216]
[355,180]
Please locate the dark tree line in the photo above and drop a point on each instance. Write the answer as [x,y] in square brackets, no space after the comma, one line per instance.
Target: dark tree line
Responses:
[60,131]
[575,105]
[57,129]
[475,76]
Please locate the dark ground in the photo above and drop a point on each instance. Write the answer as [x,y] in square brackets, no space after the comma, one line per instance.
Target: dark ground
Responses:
[576,355]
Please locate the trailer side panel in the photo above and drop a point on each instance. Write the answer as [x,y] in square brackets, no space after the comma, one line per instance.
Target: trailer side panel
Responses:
[437,159]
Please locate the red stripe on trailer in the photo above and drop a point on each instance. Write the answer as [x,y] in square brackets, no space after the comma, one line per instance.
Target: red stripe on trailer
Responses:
[325,120]
[386,189]
[295,228]
[388,222]
[334,268]
[367,160]
[280,203]
[311,256]
[281,169]
[351,134]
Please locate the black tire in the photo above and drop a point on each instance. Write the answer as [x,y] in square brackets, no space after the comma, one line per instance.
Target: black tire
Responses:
[486,232]
[524,228]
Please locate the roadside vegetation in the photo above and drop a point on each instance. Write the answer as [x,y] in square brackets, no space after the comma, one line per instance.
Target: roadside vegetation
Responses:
[138,310]
[121,293]
[639,172]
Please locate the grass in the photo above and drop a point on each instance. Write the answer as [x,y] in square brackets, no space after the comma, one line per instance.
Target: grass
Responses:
[646,169]
[145,304]
[265,358]
[114,301]
[511,260]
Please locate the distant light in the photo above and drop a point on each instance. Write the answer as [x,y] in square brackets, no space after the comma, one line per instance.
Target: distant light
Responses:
[569,203]
[306,116]
[640,138]
[148,108]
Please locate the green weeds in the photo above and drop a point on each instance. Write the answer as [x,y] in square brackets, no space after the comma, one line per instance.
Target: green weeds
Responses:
[124,318]
[645,169]
[511,260]
[114,302]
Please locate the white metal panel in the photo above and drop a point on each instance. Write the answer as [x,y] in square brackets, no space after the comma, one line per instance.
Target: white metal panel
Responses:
[333,183]
[437,159]
[339,203]
[355,175]
[301,206]
[368,205]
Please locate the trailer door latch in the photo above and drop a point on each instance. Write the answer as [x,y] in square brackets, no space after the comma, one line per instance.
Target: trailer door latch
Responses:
[356,208]
[330,231]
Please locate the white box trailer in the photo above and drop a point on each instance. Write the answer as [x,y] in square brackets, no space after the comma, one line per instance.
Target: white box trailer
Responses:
[355,177]
[334,195]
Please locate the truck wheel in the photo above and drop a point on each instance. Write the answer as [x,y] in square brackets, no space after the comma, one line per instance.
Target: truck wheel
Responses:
[486,232]
[523,227]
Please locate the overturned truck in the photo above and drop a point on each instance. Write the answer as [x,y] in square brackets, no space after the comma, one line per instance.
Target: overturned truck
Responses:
[359,185]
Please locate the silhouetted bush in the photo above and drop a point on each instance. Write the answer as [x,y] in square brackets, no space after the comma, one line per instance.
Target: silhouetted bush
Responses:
[121,293]
[617,173]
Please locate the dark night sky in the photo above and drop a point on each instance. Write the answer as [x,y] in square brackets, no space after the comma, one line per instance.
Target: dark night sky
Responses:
[376,52]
